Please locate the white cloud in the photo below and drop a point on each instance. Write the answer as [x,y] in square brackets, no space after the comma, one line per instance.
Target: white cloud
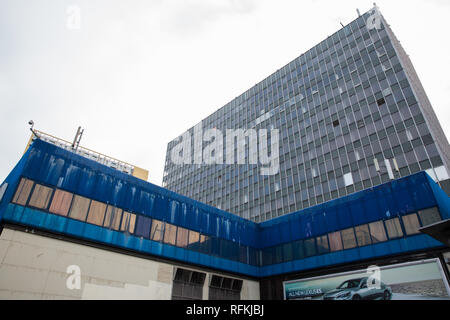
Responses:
[138,74]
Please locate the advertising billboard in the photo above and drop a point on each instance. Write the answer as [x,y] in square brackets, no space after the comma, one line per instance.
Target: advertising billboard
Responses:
[419,280]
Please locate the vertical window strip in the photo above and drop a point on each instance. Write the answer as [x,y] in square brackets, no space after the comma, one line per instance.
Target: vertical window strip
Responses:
[23,192]
[61,202]
[40,197]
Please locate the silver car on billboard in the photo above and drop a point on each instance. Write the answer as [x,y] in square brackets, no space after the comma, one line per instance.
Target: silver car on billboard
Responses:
[357,289]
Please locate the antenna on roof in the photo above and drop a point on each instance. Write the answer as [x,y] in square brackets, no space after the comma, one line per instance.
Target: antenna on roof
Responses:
[31,123]
[342,24]
[359,13]
[77,139]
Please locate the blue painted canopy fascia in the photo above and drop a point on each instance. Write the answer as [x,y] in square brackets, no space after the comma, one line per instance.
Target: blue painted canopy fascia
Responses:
[48,164]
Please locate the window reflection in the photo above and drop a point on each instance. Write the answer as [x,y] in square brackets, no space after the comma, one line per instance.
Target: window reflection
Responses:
[170,234]
[363,235]
[132,223]
[112,218]
[40,197]
[79,208]
[411,224]
[429,216]
[322,244]
[125,221]
[96,213]
[335,241]
[157,230]
[193,239]
[61,202]
[182,237]
[204,243]
[394,230]
[348,238]
[377,232]
[23,192]
[128,222]
[310,247]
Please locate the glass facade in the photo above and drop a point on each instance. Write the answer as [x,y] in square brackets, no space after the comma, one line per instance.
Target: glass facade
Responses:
[94,212]
[348,119]
[56,201]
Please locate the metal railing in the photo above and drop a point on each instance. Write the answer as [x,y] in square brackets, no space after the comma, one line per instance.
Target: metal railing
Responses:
[85,152]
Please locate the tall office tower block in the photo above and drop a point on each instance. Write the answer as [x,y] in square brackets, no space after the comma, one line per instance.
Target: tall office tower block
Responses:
[351,114]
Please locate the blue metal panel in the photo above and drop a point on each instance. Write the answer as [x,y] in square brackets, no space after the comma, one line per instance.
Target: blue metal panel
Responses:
[370,205]
[357,212]
[77,229]
[227,233]
[87,178]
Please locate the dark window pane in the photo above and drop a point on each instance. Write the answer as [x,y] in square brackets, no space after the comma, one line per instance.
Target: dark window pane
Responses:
[193,240]
[128,222]
[429,216]
[143,226]
[363,235]
[310,247]
[394,229]
[348,238]
[377,232]
[322,244]
[205,244]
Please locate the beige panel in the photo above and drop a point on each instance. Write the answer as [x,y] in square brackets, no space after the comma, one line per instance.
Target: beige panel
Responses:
[165,273]
[34,267]
[140,173]
[24,279]
[250,290]
[29,143]
[55,286]
[19,295]
[153,291]
[29,256]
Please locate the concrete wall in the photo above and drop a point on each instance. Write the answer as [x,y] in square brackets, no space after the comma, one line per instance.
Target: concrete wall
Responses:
[35,267]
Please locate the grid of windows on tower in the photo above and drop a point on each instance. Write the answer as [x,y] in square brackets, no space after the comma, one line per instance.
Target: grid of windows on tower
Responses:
[348,120]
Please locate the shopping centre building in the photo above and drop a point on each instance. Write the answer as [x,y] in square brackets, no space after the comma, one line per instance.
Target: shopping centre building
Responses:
[64,215]
[76,224]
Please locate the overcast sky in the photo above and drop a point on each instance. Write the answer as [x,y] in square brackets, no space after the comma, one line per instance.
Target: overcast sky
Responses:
[137,74]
